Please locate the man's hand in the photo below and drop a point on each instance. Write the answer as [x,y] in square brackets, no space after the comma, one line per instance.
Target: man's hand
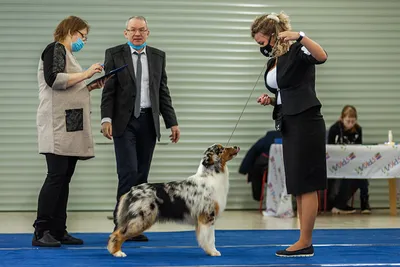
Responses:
[175,134]
[106,129]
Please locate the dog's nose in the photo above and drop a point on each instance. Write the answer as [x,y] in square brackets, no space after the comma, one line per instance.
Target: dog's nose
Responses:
[236,147]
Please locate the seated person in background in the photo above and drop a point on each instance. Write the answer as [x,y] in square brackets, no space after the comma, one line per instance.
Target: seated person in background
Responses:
[347,131]
[256,161]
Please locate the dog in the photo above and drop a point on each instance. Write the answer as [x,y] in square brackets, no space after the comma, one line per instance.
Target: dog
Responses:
[198,200]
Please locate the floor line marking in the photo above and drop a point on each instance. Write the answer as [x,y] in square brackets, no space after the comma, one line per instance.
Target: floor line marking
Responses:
[223,246]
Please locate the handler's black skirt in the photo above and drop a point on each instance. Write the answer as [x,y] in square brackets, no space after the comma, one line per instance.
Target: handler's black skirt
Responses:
[304,151]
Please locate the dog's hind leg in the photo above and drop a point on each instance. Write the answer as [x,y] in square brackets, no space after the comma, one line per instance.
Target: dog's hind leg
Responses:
[140,223]
[205,233]
[118,237]
[134,228]
[115,241]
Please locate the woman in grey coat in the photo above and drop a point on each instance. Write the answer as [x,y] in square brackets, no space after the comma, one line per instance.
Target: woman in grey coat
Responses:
[64,128]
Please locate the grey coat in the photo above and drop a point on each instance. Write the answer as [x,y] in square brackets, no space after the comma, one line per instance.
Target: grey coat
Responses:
[63,115]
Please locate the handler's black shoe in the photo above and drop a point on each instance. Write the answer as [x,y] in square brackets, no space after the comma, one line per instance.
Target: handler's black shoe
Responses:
[304,252]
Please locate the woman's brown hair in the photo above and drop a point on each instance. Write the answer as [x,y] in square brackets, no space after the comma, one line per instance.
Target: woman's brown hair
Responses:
[271,25]
[351,112]
[69,25]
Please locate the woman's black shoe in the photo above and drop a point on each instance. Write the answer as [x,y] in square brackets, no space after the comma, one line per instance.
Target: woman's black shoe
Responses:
[46,240]
[68,239]
[304,252]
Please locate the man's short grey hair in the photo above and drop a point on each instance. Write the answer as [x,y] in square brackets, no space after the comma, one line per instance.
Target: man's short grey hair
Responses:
[136,17]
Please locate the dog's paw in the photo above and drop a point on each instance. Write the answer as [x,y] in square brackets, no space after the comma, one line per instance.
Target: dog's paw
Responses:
[214,253]
[119,254]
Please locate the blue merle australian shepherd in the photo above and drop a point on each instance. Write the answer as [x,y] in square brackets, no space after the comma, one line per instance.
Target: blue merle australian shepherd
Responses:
[197,200]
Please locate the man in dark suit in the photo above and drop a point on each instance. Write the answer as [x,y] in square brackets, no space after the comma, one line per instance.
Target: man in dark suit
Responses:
[131,104]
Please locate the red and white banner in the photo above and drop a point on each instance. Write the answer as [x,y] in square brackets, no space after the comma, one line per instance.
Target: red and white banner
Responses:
[352,161]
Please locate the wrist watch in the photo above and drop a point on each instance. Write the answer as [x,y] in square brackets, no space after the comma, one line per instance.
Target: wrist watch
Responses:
[300,37]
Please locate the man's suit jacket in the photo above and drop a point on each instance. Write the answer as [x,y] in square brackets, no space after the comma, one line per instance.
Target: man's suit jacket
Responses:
[119,92]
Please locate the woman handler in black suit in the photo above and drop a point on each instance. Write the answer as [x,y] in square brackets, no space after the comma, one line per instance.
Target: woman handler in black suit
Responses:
[290,76]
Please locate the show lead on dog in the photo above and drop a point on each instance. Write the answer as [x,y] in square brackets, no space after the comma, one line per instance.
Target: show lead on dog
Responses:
[131,105]
[64,127]
[290,76]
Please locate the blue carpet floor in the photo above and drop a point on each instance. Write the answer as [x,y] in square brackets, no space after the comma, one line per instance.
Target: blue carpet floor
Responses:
[253,248]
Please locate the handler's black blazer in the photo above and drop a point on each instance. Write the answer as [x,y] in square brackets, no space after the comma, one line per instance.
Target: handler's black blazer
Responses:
[296,80]
[118,97]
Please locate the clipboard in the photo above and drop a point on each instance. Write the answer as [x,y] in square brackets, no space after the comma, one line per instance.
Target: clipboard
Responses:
[108,74]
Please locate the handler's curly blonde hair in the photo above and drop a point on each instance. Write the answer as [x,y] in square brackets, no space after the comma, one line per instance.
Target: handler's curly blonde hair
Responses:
[271,25]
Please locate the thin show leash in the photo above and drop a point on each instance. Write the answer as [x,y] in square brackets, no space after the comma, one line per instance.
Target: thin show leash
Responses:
[248,99]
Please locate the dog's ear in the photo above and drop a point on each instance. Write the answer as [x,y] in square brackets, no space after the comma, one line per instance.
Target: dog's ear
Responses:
[208,159]
[218,150]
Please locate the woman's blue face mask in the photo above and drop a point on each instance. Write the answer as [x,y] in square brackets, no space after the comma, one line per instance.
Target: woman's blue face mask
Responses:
[78,45]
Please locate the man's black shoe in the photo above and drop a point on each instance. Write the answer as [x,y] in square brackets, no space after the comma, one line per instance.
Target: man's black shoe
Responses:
[139,238]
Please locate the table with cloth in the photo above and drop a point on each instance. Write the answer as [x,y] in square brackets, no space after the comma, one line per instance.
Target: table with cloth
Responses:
[343,161]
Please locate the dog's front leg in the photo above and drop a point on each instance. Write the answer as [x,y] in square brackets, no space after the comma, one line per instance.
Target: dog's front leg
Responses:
[206,238]
[211,238]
